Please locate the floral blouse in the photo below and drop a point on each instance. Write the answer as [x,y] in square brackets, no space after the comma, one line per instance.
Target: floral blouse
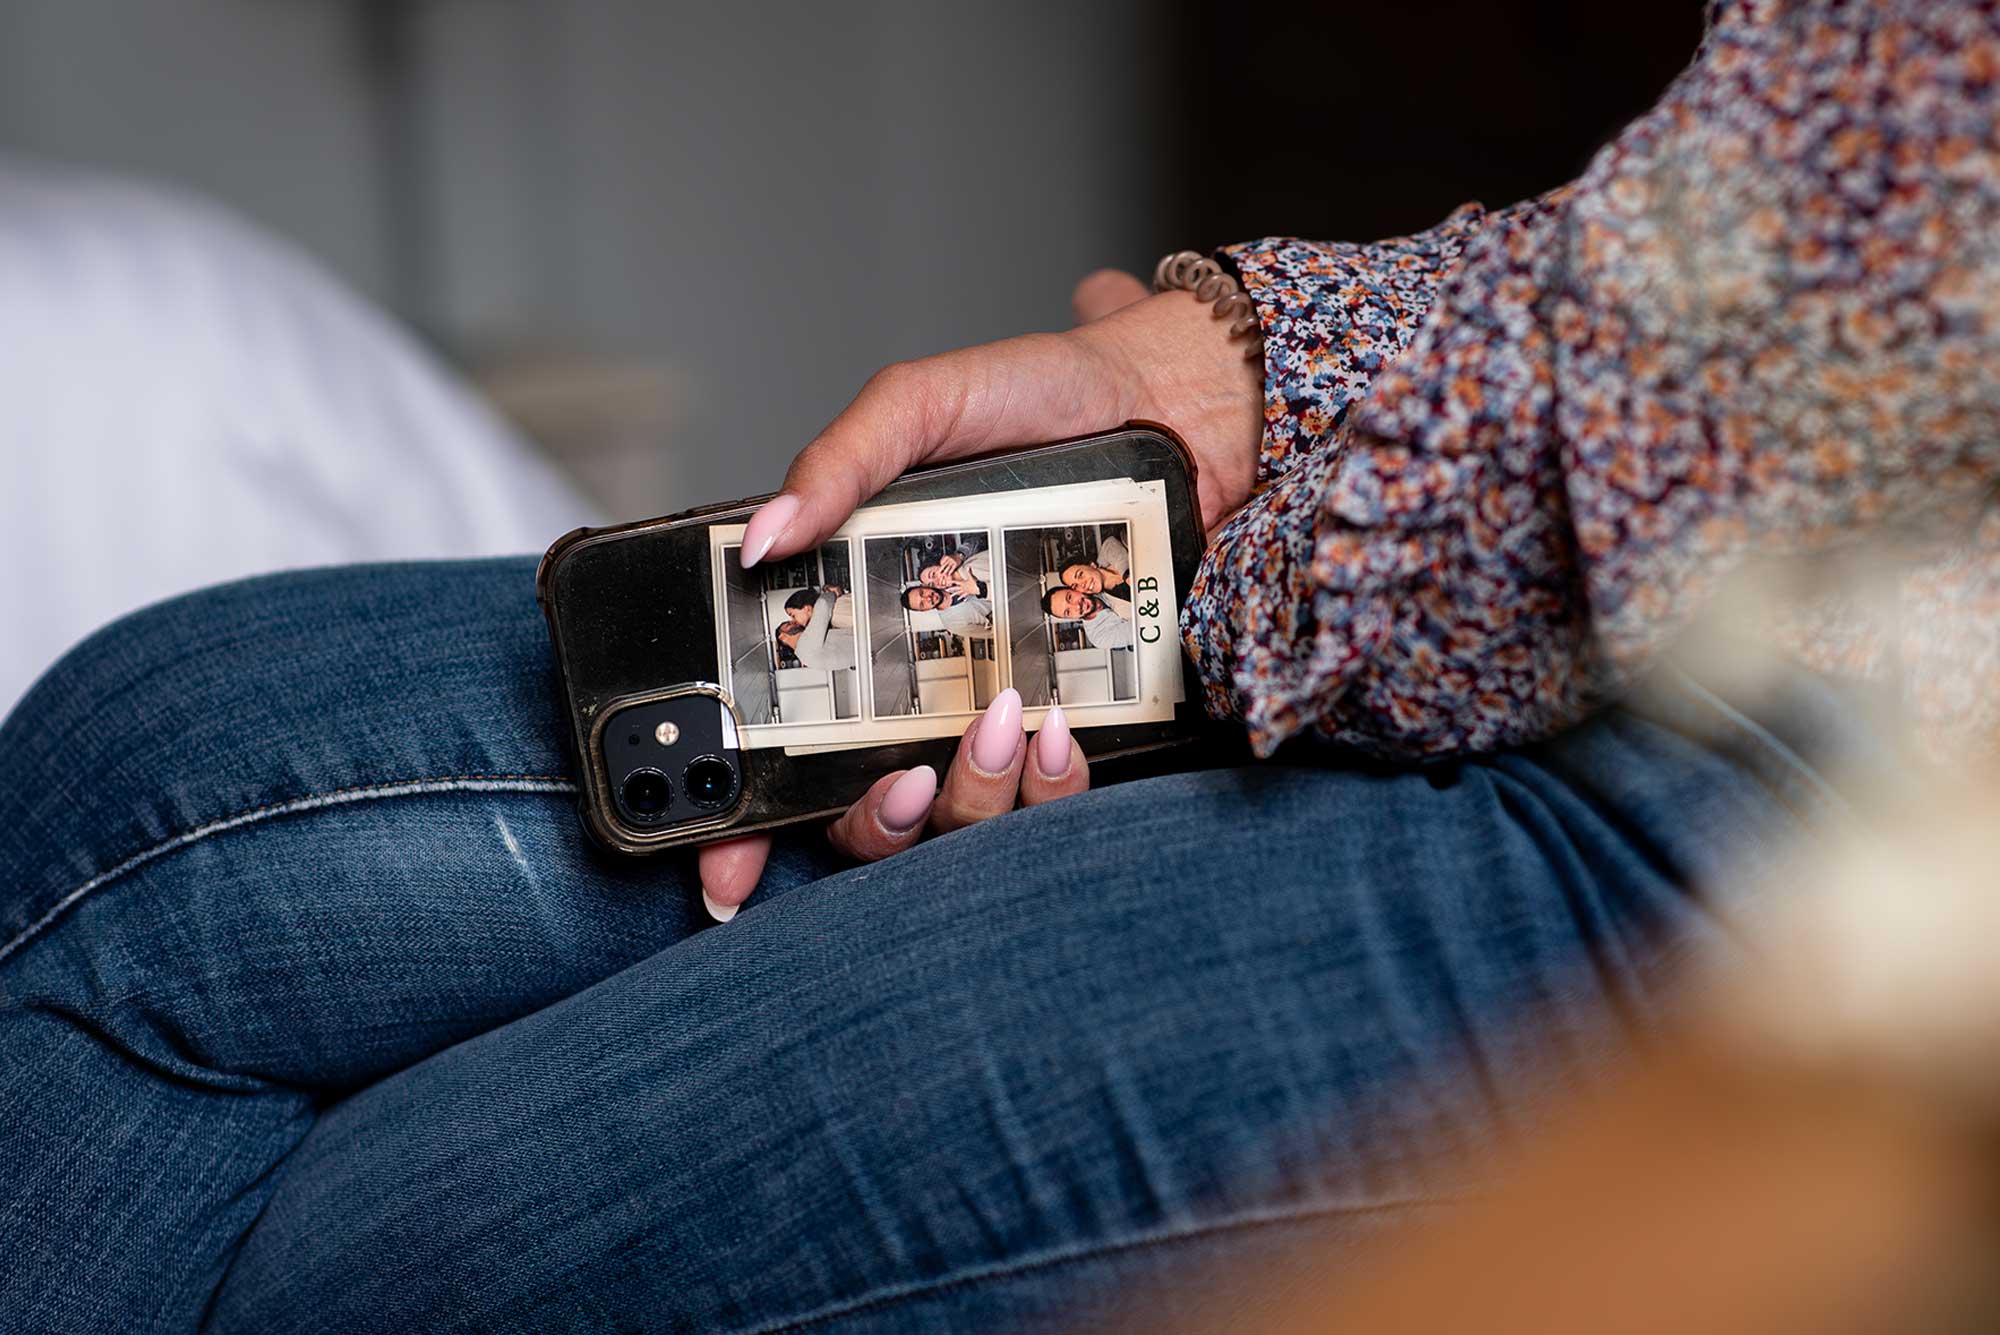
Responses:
[1507,459]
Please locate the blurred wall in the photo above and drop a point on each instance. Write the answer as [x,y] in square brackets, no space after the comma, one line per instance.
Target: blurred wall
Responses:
[676,236]
[1363,119]
[257,103]
[673,238]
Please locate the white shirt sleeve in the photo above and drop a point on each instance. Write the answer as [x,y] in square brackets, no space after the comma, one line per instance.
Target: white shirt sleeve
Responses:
[1108,630]
[811,649]
[1111,554]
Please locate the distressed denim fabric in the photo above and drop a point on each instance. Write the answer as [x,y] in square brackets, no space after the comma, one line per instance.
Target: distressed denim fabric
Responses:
[318,1014]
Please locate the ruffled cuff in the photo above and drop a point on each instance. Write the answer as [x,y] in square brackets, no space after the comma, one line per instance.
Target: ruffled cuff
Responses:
[1352,596]
[1334,314]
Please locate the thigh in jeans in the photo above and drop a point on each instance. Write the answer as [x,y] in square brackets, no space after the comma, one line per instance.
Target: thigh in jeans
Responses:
[1033,1074]
[259,847]
[308,983]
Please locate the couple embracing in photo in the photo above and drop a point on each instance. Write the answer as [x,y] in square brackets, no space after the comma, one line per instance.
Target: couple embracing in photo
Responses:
[1097,593]
[959,588]
[819,627]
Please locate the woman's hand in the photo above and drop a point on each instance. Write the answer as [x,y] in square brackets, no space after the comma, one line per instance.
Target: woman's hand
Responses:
[997,767]
[1163,358]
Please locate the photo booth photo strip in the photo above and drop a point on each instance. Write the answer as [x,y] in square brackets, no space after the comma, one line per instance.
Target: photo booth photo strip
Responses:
[931,623]
[927,663]
[787,638]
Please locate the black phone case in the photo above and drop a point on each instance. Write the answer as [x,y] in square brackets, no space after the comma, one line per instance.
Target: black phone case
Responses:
[631,613]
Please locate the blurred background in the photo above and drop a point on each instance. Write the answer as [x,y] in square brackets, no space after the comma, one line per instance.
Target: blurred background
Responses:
[670,240]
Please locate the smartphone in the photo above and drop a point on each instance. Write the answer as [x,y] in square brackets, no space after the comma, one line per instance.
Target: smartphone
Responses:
[705,701]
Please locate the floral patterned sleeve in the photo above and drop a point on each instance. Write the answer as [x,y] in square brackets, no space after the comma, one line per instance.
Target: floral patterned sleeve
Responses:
[1505,460]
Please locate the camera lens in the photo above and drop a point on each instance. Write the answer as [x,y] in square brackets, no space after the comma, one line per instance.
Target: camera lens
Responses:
[646,794]
[710,782]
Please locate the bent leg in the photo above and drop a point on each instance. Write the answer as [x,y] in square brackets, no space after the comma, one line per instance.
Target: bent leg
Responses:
[1031,1069]
[259,847]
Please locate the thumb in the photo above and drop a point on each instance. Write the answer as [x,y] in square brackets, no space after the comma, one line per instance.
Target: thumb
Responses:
[1103,292]
[1019,391]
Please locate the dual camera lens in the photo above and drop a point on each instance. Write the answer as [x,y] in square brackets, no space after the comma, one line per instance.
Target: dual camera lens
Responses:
[647,794]
[709,782]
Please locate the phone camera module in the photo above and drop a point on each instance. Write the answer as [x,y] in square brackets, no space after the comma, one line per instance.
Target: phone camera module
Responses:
[645,796]
[710,782]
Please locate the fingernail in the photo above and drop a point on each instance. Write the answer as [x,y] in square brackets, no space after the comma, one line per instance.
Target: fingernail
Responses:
[999,732]
[908,800]
[771,519]
[719,912]
[1052,744]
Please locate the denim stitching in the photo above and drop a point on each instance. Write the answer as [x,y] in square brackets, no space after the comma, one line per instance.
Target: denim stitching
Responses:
[900,1293]
[460,783]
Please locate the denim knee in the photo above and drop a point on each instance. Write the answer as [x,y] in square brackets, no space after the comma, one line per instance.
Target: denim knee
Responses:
[249,695]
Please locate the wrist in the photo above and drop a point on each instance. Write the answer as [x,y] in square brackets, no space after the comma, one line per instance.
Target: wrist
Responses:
[1183,368]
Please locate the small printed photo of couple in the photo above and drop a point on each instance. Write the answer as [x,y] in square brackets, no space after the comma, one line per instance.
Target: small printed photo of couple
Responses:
[931,622]
[792,651]
[1069,612]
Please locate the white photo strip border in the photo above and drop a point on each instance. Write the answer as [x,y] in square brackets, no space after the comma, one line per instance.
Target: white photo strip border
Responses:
[1154,612]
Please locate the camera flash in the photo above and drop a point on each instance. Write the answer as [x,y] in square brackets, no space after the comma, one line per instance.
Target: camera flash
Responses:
[667,733]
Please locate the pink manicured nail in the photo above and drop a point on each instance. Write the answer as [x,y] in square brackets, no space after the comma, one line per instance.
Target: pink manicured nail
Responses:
[1052,744]
[908,800]
[999,732]
[771,519]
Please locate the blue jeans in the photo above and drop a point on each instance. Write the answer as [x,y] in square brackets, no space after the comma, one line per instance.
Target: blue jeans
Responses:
[318,1014]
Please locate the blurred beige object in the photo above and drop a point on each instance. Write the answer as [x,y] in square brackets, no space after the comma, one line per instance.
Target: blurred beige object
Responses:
[1882,955]
[1813,1146]
[1700,1195]
[608,421]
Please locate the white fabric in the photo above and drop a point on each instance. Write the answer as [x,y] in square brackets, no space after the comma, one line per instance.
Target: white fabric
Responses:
[970,617]
[1109,630]
[825,643]
[1111,554]
[979,565]
[184,400]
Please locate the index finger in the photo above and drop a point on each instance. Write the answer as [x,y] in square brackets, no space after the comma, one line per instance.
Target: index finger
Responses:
[1018,391]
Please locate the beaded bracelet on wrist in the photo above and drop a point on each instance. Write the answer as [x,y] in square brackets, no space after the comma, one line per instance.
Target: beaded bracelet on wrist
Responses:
[1191,271]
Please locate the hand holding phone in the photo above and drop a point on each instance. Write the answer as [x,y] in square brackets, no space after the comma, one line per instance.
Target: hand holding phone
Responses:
[1160,358]
[707,699]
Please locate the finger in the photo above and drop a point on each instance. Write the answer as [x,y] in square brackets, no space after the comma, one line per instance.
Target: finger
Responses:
[1056,765]
[1103,292]
[729,871]
[985,775]
[1020,391]
[888,818]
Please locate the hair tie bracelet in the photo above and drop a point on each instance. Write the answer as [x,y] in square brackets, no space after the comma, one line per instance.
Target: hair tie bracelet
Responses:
[1191,271]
